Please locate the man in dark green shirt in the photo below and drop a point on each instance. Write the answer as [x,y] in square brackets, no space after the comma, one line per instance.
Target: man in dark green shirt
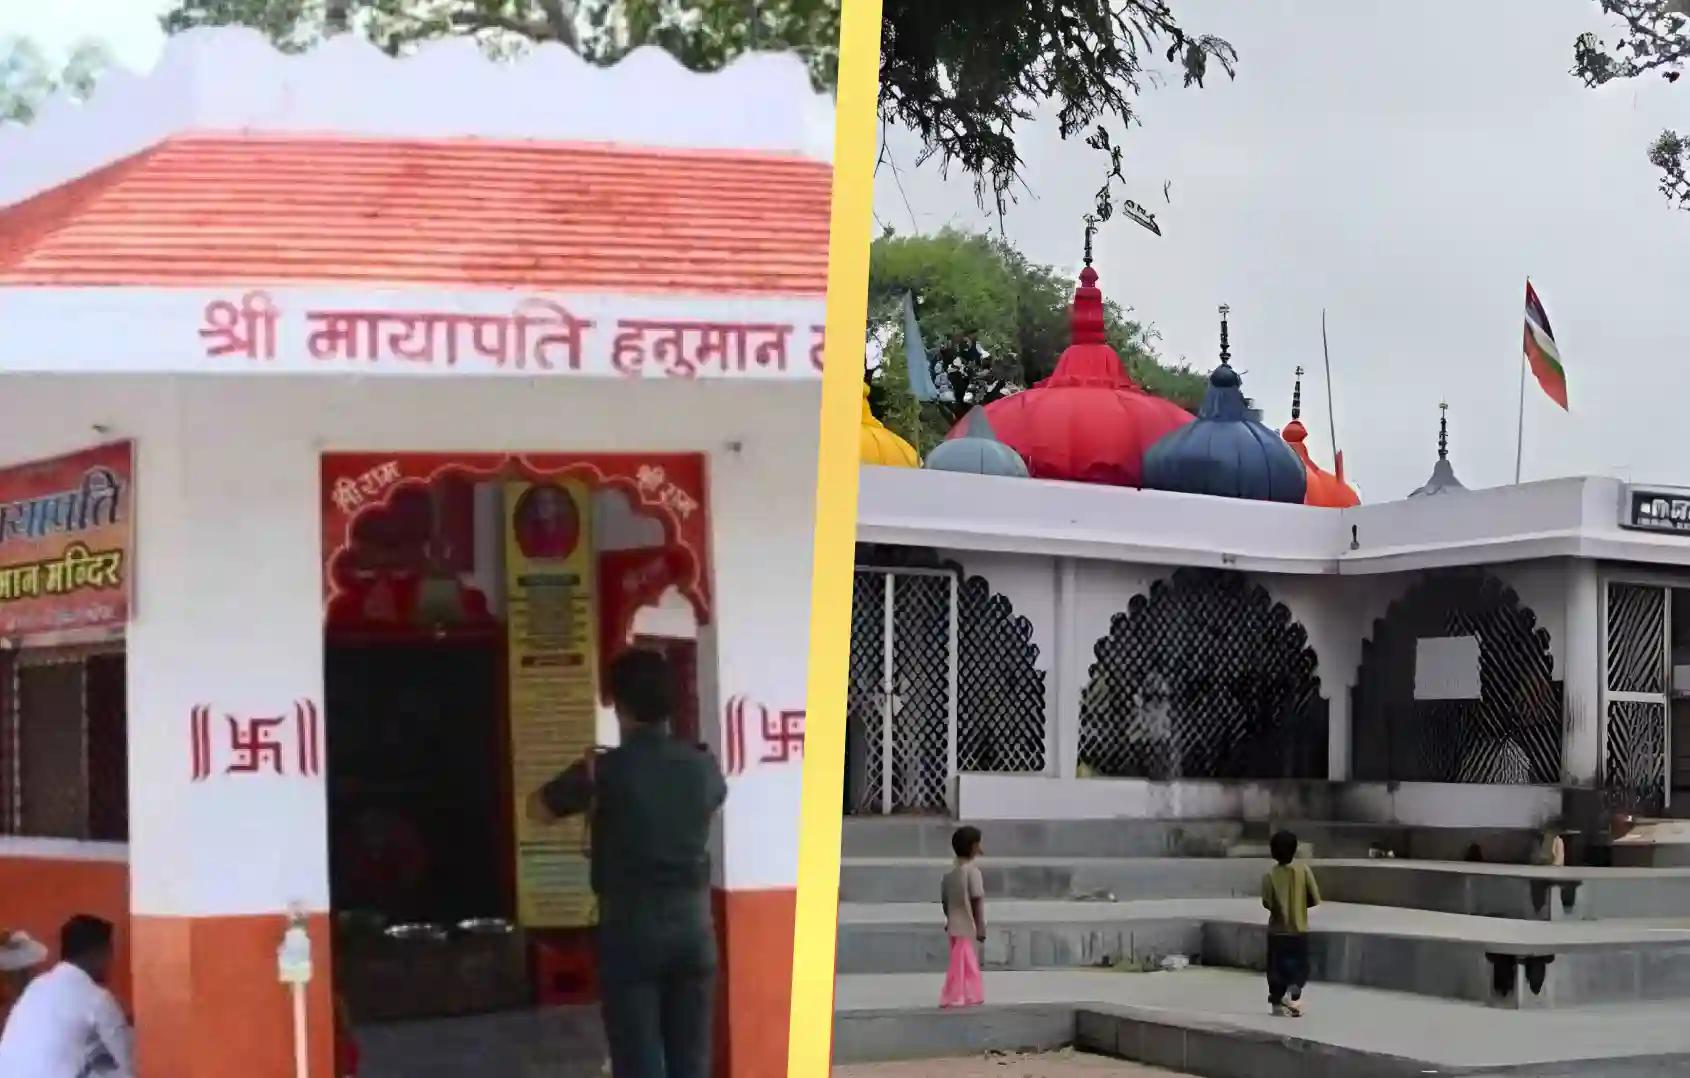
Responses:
[649,802]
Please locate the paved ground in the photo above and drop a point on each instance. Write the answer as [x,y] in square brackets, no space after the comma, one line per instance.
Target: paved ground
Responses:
[561,1042]
[1334,916]
[1440,1032]
[1051,1065]
[1474,868]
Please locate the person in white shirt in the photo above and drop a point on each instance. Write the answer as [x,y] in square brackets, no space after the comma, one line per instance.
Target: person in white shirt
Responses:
[66,1024]
[19,956]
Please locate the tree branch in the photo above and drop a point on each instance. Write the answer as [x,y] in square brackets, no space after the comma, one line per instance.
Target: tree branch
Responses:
[474,21]
[562,23]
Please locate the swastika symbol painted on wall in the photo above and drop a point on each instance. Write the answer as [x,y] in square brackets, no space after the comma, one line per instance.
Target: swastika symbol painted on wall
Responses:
[285,744]
[779,731]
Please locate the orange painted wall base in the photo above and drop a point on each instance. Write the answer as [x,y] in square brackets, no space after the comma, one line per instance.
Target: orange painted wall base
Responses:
[208,1005]
[38,895]
[754,929]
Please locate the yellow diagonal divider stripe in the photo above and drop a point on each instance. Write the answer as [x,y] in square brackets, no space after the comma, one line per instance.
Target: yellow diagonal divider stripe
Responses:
[809,1046]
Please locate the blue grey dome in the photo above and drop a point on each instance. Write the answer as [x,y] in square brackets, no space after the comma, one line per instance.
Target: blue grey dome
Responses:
[976,450]
[1225,452]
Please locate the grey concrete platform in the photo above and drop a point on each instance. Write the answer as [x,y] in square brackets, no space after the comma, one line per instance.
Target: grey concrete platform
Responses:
[915,879]
[1485,890]
[1502,963]
[1215,1024]
[930,836]
[1521,892]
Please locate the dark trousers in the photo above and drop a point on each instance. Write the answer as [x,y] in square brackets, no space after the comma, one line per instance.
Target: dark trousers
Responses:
[1287,966]
[657,987]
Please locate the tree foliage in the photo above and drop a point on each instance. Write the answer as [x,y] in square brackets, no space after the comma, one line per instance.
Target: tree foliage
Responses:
[963,75]
[702,34]
[992,323]
[1655,40]
[28,78]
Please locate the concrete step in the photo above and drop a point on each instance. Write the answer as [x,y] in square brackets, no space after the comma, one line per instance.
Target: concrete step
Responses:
[911,879]
[1519,892]
[1507,964]
[1339,839]
[1652,844]
[1215,1024]
[1509,891]
[930,836]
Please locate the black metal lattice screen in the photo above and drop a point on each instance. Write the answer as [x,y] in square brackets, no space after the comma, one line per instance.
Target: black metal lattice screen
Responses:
[865,695]
[922,688]
[902,682]
[1000,690]
[1636,757]
[1204,677]
[1636,709]
[1509,734]
[897,745]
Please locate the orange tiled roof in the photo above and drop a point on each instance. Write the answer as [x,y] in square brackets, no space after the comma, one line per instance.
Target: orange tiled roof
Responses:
[200,210]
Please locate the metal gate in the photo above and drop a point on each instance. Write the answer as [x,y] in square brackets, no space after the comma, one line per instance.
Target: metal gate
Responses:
[901,740]
[1635,694]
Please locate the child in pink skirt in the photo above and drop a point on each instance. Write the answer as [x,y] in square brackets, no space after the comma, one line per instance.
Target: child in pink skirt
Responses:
[962,895]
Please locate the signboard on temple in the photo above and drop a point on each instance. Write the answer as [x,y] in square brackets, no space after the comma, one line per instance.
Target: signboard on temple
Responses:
[1656,510]
[550,600]
[66,542]
[1447,668]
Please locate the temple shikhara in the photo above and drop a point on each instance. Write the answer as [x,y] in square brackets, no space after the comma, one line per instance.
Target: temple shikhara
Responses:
[359,411]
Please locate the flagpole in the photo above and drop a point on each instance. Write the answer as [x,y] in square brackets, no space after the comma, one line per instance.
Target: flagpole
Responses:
[1331,420]
[1520,425]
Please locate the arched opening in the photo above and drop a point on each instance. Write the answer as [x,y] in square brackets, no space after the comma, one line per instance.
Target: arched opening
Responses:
[472,602]
[943,679]
[1205,676]
[1457,685]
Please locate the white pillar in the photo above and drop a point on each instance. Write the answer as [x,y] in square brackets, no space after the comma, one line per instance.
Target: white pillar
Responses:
[228,620]
[1338,733]
[1068,670]
[1581,684]
[225,687]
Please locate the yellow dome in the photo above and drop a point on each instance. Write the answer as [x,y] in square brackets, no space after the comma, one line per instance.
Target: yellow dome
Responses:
[880,445]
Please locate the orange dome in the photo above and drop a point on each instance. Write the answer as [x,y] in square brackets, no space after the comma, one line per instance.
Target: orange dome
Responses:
[1325,489]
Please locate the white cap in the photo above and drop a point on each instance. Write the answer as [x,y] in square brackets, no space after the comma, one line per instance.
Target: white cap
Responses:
[20,952]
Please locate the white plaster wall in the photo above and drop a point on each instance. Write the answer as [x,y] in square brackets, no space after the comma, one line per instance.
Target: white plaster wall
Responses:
[1030,585]
[229,606]
[1542,586]
[1102,590]
[1554,518]
[1027,581]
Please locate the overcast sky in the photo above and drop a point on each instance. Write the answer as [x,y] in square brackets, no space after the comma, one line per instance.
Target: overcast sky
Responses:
[1406,166]
[1403,165]
[128,27]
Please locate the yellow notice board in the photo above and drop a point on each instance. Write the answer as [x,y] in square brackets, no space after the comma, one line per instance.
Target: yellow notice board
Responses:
[551,605]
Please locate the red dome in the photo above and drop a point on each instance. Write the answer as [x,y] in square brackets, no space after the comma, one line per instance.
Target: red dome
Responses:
[1088,421]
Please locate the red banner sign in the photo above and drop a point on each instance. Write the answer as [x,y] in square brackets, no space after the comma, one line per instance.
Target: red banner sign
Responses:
[66,539]
[665,487]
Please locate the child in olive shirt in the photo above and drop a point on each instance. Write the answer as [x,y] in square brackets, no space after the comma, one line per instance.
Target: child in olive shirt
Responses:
[1288,892]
